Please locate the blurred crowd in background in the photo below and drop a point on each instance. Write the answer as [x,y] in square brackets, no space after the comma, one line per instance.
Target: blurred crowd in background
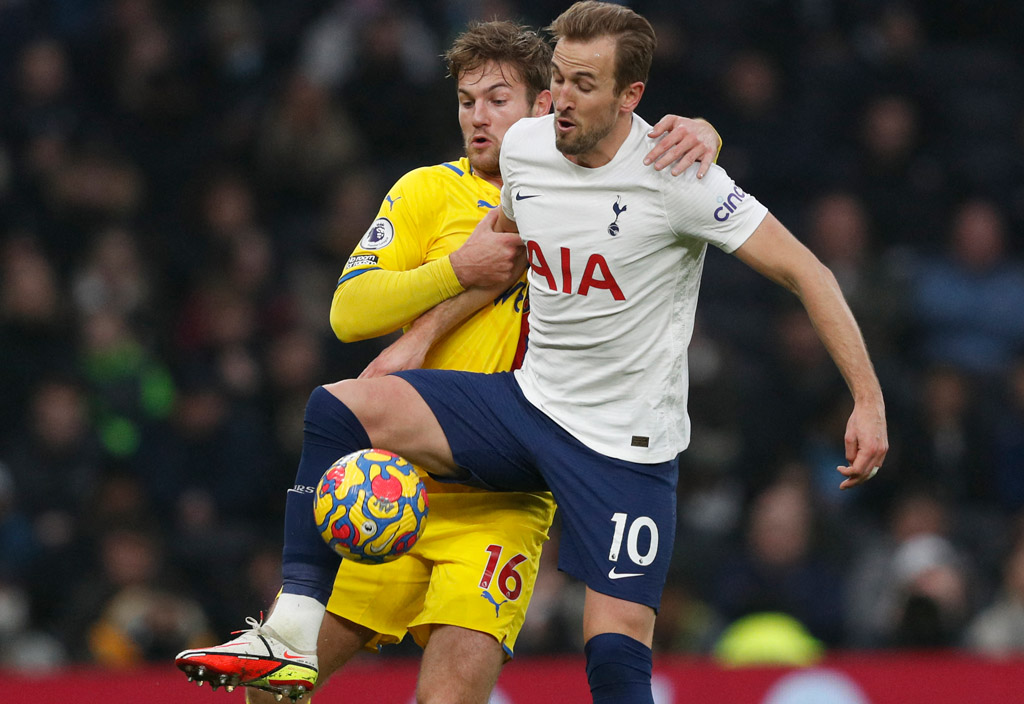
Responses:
[181,183]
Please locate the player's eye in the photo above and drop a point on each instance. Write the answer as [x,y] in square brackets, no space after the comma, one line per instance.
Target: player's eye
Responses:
[500,102]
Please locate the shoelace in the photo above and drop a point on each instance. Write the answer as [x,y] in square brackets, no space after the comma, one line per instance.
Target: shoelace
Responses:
[255,625]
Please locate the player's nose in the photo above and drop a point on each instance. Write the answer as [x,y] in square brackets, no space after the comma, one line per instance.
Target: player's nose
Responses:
[481,115]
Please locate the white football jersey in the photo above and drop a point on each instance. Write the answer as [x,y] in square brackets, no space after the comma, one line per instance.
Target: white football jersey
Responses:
[616,254]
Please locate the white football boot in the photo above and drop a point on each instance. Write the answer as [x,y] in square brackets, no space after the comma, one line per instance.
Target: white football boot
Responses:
[256,658]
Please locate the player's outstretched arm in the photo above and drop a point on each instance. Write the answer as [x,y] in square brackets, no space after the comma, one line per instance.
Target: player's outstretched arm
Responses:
[409,351]
[774,252]
[684,140]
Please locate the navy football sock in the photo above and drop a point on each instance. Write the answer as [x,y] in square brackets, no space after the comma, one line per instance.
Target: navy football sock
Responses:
[330,431]
[618,669]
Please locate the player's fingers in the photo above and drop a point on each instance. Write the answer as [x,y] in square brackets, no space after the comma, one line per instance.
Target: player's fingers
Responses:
[662,146]
[684,163]
[673,154]
[685,149]
[864,467]
[705,164]
[661,127]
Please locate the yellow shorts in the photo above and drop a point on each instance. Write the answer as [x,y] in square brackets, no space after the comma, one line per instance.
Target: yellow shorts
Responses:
[475,567]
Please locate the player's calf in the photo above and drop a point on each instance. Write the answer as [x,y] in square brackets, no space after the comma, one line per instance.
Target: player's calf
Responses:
[618,670]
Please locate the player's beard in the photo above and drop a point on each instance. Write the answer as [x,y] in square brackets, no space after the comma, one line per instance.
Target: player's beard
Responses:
[484,162]
[584,139]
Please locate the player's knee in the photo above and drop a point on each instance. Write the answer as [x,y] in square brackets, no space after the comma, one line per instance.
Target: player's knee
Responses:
[618,669]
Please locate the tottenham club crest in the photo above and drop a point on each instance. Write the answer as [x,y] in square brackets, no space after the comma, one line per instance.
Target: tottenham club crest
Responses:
[379,235]
[613,229]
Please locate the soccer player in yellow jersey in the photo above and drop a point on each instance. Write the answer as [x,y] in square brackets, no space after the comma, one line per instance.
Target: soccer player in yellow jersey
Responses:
[463,590]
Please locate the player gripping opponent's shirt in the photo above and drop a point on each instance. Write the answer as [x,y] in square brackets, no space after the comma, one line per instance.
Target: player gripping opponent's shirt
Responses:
[479,554]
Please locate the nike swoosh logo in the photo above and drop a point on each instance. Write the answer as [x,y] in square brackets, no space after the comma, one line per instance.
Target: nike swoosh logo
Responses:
[289,656]
[385,545]
[612,574]
[520,196]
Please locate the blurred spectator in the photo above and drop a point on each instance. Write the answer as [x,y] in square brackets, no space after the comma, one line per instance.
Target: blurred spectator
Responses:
[686,623]
[782,569]
[909,587]
[786,395]
[22,647]
[1008,442]
[933,600]
[760,129]
[17,543]
[131,610]
[946,443]
[967,301]
[215,445]
[56,464]
[895,173]
[94,188]
[34,340]
[999,628]
[113,276]
[305,142]
[129,386]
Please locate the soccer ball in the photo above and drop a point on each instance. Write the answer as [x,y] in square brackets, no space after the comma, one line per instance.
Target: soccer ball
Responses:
[370,506]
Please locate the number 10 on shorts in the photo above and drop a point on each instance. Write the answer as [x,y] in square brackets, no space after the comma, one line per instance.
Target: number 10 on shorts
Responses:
[633,538]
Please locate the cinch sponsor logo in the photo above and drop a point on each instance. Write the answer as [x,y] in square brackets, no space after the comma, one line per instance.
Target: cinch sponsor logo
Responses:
[729,204]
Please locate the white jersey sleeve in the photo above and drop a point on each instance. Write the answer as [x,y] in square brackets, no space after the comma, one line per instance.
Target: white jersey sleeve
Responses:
[713,209]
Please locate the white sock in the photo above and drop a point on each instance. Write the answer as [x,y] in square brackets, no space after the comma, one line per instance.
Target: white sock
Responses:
[296,620]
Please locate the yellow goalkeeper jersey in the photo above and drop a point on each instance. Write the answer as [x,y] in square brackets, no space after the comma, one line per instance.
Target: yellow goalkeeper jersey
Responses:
[401,269]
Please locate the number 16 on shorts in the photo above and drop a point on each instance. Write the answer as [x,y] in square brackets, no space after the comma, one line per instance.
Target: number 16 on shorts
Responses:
[638,533]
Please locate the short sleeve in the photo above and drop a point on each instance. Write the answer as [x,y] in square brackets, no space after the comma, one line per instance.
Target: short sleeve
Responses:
[713,209]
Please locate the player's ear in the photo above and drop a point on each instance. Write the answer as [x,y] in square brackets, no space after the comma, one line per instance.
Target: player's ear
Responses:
[631,96]
[541,104]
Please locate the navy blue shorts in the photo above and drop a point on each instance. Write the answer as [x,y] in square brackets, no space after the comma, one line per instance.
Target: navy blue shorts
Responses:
[618,517]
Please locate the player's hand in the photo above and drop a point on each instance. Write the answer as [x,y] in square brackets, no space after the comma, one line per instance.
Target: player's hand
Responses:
[407,352]
[685,141]
[867,443]
[489,258]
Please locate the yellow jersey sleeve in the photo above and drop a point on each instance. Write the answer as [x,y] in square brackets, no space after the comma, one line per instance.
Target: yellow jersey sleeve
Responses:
[393,276]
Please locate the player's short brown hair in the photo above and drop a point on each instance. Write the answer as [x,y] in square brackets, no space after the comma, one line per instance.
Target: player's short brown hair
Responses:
[633,34]
[507,43]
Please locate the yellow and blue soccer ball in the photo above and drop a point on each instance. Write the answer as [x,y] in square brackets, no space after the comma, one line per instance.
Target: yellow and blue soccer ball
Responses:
[370,506]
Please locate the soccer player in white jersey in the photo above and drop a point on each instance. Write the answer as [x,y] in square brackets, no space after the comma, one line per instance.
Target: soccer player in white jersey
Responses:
[442,592]
[597,413]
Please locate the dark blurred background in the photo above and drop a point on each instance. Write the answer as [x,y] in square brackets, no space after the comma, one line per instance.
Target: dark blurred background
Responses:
[181,183]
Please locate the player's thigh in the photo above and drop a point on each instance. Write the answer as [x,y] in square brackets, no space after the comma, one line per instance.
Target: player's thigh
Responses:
[485,548]
[608,614]
[396,418]
[460,666]
[383,599]
[618,521]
